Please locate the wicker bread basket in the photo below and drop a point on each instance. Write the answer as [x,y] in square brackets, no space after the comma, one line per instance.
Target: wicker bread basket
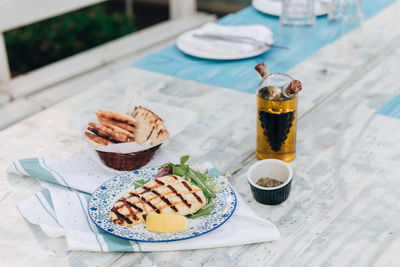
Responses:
[128,162]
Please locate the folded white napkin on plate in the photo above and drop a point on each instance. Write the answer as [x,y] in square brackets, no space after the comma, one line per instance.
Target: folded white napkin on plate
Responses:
[256,31]
[61,209]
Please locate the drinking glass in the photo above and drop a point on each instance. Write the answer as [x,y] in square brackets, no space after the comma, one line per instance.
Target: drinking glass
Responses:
[348,11]
[297,12]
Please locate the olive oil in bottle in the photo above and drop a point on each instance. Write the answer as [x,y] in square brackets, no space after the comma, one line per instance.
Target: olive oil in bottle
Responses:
[276,128]
[276,115]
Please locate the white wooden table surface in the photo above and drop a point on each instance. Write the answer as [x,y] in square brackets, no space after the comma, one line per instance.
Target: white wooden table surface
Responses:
[344,206]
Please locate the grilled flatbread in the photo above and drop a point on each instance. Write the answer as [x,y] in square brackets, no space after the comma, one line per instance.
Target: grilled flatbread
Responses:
[117,116]
[118,130]
[158,134]
[117,127]
[97,141]
[149,126]
[109,133]
[168,195]
[122,125]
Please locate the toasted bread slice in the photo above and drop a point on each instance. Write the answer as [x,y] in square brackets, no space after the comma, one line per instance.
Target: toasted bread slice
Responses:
[117,130]
[109,134]
[146,121]
[159,133]
[117,116]
[146,112]
[97,141]
[122,125]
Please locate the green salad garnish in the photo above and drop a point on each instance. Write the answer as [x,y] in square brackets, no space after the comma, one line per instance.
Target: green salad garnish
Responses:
[139,183]
[198,178]
[201,179]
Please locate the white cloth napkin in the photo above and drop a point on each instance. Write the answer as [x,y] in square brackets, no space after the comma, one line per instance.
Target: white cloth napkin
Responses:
[61,209]
[256,31]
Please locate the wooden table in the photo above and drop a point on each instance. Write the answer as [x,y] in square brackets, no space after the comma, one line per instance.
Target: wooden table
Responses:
[344,206]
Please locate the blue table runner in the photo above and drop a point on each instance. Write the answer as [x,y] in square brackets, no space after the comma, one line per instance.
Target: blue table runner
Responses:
[392,108]
[239,74]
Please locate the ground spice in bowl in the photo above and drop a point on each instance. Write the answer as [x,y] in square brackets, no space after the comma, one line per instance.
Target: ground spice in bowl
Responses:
[268,182]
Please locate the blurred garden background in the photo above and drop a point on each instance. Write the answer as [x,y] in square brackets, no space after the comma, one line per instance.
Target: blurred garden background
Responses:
[47,41]
[52,50]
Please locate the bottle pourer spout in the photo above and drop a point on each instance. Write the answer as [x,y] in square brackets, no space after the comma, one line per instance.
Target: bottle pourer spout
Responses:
[292,88]
[261,69]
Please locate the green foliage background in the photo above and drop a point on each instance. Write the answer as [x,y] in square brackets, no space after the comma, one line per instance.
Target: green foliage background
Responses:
[47,41]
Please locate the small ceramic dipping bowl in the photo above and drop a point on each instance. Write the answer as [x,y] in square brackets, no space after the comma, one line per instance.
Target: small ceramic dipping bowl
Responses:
[273,168]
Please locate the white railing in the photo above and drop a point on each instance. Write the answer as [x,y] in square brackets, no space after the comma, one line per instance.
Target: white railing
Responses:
[17,13]
[182,8]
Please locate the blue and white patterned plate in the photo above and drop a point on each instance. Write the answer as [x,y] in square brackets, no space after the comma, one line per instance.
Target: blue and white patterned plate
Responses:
[103,199]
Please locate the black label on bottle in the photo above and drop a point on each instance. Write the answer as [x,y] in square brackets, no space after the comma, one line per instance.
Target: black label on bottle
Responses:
[276,127]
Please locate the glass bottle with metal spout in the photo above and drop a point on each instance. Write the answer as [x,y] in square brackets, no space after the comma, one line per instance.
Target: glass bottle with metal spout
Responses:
[276,115]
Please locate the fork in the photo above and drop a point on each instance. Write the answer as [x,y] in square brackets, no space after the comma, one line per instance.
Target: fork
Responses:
[236,39]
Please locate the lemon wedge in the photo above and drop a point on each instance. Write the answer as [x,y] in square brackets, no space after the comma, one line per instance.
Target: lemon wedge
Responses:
[165,223]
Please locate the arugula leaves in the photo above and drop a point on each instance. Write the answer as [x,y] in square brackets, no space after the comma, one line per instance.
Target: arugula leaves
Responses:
[184,159]
[139,183]
[206,210]
[197,178]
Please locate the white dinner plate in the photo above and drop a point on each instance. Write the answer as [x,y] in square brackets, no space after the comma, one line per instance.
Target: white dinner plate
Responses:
[274,7]
[209,54]
[103,199]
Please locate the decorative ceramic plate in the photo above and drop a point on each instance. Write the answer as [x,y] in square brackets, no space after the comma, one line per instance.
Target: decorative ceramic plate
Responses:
[274,7]
[103,199]
[210,54]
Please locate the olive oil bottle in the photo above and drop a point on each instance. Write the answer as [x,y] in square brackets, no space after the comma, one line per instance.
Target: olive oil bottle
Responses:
[276,116]
[276,128]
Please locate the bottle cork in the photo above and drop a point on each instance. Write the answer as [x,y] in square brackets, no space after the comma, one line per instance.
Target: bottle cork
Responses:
[294,87]
[261,69]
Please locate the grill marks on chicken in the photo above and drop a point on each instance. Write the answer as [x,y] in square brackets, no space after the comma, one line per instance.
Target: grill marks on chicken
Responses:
[168,194]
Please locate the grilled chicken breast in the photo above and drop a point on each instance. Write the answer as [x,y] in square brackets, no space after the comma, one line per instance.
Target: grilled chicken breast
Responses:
[168,194]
